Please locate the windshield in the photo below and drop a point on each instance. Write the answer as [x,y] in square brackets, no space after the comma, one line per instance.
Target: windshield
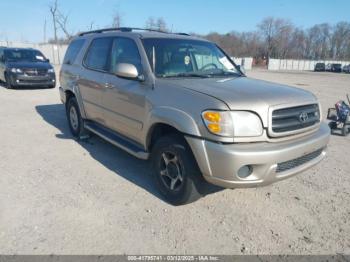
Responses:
[17,55]
[187,58]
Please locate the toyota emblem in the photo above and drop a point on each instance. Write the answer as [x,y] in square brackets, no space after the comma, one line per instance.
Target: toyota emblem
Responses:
[303,117]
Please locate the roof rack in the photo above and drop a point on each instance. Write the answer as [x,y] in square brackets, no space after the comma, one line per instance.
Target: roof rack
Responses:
[126,29]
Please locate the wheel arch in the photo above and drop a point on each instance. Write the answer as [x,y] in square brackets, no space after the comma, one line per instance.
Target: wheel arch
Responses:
[74,92]
[166,121]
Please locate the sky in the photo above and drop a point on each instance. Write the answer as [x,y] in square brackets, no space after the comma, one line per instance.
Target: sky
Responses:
[23,20]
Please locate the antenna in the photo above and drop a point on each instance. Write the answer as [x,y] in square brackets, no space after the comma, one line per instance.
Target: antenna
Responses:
[154,66]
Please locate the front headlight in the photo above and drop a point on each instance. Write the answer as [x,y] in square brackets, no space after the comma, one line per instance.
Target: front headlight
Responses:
[246,124]
[233,123]
[51,70]
[16,70]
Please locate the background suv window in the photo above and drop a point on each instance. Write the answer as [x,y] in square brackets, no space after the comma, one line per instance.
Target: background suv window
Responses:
[98,54]
[124,50]
[73,51]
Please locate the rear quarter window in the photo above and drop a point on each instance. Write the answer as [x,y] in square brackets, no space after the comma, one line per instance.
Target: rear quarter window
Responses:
[73,51]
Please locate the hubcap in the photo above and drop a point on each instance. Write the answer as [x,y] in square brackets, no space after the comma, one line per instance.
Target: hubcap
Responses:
[171,171]
[73,116]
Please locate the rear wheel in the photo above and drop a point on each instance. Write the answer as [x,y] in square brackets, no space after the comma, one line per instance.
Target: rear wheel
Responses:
[75,121]
[175,171]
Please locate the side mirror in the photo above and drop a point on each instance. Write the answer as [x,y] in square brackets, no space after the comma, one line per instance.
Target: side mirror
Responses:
[47,60]
[128,71]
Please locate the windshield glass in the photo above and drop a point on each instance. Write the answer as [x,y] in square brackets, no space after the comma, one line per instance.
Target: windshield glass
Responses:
[187,58]
[16,55]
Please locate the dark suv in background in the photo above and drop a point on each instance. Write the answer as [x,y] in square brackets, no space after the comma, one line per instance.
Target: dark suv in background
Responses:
[320,67]
[336,68]
[25,67]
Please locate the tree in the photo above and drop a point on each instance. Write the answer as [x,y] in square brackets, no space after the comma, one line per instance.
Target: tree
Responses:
[62,21]
[276,34]
[150,23]
[340,40]
[54,14]
[59,20]
[156,24]
[161,25]
[117,20]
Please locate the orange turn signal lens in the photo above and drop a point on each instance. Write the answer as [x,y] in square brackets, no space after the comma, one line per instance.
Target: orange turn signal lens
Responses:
[213,117]
[214,128]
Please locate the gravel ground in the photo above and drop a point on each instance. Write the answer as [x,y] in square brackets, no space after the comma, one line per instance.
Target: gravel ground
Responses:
[60,196]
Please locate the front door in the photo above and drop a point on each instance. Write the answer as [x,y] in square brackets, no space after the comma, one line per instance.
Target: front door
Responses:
[124,99]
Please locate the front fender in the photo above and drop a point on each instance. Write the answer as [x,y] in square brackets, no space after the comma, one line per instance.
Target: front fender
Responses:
[176,118]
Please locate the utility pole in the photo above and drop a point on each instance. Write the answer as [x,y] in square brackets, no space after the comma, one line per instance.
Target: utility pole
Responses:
[45,31]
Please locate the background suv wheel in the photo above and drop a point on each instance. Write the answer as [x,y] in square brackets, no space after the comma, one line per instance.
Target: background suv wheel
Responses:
[8,82]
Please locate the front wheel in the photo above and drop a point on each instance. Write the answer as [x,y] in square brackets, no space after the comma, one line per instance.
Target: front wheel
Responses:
[177,175]
[8,84]
[345,129]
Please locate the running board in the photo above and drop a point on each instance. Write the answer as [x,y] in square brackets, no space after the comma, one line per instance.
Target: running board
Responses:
[117,140]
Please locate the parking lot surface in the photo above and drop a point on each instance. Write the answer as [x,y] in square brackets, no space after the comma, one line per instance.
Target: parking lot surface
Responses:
[61,196]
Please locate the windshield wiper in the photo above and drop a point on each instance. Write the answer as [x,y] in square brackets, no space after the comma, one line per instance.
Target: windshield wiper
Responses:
[186,75]
[224,73]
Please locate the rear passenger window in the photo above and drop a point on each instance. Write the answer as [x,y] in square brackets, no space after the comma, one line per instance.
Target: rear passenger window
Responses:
[124,50]
[73,51]
[98,54]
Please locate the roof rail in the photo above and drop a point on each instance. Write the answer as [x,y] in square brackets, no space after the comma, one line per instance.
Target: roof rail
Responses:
[125,29]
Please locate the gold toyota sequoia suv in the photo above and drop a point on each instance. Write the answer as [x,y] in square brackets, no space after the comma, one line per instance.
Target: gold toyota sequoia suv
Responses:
[181,102]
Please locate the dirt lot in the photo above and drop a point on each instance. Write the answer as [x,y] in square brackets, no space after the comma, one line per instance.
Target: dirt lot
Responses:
[60,196]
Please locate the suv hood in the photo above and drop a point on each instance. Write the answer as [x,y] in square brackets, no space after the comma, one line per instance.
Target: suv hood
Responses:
[243,93]
[25,64]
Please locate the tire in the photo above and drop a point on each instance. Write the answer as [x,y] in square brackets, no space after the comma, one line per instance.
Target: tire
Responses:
[172,160]
[332,125]
[8,83]
[345,129]
[75,121]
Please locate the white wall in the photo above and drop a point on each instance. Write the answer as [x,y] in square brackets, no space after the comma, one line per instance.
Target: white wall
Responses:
[247,62]
[299,65]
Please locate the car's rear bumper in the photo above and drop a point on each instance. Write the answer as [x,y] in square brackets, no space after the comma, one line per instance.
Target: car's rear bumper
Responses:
[269,162]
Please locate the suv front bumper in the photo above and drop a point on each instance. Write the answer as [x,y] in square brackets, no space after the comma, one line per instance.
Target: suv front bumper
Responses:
[269,162]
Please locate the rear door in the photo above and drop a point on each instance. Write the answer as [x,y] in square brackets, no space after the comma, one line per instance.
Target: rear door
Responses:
[91,82]
[2,65]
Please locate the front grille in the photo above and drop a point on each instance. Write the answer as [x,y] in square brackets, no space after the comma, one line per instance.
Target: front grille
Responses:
[34,81]
[35,72]
[295,118]
[285,166]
